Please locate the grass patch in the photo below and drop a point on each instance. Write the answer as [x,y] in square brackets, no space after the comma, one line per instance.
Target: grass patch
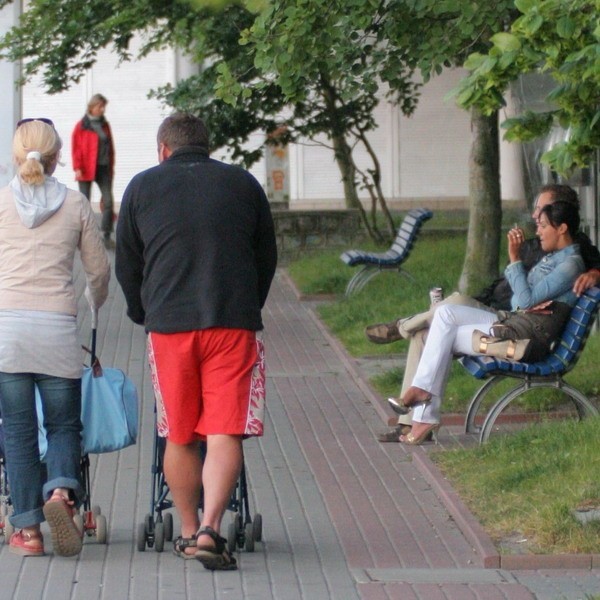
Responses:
[526,485]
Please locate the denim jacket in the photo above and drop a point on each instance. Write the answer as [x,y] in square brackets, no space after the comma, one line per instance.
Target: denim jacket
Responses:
[552,278]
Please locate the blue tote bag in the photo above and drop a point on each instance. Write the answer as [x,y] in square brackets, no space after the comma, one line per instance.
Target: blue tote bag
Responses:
[109,406]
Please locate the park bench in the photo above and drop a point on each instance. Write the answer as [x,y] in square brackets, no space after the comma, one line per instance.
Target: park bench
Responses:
[547,373]
[393,259]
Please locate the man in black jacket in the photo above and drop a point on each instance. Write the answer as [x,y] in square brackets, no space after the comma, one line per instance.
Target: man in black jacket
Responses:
[495,297]
[195,258]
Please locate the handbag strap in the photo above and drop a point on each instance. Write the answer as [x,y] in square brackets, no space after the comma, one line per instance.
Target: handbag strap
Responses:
[94,360]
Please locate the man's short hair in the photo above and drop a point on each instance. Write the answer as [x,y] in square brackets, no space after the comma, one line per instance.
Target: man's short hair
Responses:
[561,193]
[183,129]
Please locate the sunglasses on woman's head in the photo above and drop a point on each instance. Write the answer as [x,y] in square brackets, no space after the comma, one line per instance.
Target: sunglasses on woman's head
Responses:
[42,119]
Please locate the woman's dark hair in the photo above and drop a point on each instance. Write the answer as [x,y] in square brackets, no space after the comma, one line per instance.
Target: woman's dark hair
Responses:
[560,212]
[560,193]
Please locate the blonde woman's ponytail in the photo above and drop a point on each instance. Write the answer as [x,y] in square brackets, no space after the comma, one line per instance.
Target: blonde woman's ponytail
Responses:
[36,146]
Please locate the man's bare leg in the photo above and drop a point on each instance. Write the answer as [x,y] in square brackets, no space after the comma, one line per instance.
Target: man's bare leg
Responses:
[183,473]
[222,467]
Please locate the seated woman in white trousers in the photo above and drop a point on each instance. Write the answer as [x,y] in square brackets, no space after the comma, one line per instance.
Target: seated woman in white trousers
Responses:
[452,327]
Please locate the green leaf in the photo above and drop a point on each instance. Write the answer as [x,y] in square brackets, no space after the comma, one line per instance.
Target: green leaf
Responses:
[525,5]
[507,42]
[474,61]
[565,27]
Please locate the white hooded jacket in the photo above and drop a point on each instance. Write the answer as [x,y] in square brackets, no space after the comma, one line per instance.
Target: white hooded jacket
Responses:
[41,228]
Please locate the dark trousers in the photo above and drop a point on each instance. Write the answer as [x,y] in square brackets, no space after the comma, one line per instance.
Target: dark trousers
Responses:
[104,181]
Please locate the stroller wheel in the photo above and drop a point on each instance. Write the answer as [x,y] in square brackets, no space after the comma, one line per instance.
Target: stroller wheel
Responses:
[8,529]
[141,537]
[232,534]
[239,522]
[148,524]
[249,537]
[168,525]
[101,529]
[257,522]
[78,520]
[159,536]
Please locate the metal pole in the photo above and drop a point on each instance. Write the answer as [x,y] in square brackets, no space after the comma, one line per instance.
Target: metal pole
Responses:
[10,107]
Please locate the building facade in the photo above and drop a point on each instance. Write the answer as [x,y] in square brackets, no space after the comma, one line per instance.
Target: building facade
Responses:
[424,158]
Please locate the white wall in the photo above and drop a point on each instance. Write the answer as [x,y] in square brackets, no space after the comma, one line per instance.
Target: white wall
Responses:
[134,118]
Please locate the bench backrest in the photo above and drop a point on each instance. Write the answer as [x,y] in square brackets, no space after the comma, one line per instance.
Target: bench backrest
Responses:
[565,354]
[409,230]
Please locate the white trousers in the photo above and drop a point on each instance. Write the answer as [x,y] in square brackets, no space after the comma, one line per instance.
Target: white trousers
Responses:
[450,333]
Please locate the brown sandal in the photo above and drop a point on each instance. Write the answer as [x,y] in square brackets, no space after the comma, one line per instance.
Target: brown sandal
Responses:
[181,543]
[394,434]
[217,557]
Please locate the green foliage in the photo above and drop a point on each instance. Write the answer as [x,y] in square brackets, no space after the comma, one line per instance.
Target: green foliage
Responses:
[528,483]
[557,37]
[213,43]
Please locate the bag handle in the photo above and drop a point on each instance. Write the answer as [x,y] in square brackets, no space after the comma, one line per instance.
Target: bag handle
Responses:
[94,360]
[94,332]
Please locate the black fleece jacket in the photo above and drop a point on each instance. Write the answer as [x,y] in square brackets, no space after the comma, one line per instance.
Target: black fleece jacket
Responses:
[195,245]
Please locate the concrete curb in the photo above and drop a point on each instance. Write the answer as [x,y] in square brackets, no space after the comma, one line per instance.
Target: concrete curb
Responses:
[465,520]
[467,523]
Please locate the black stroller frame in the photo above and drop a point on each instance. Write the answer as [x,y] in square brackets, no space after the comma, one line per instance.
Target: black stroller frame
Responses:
[157,527]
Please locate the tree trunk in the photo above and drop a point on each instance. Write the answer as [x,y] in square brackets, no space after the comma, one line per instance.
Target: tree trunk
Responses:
[343,157]
[343,154]
[485,206]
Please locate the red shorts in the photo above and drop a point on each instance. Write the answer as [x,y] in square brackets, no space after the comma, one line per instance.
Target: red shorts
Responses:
[207,382]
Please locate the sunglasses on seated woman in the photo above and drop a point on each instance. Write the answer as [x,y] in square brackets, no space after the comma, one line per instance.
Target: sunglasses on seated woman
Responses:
[42,119]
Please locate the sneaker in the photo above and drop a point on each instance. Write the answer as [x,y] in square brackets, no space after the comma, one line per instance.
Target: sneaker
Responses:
[25,544]
[383,333]
[66,538]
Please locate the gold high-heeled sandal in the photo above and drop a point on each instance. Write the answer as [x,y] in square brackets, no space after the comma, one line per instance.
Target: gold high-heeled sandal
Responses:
[429,432]
[411,398]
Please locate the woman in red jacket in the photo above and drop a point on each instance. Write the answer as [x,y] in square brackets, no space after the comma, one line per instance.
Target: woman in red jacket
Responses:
[93,156]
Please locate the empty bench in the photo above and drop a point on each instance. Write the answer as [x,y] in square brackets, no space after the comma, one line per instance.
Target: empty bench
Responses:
[393,259]
[547,373]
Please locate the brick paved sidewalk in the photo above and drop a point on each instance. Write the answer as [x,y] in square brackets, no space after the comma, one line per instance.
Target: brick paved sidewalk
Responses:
[343,516]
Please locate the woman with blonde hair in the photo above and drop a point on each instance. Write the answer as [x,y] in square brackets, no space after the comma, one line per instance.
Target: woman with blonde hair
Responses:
[42,226]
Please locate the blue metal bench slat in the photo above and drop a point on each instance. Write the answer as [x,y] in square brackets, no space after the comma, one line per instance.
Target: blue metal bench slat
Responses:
[393,258]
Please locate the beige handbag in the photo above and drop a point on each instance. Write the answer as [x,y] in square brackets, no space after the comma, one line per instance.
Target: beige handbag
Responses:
[484,343]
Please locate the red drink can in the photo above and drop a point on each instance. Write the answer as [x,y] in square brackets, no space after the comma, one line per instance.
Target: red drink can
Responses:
[436,295]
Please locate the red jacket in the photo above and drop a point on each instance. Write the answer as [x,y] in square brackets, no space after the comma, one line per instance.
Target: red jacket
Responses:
[84,149]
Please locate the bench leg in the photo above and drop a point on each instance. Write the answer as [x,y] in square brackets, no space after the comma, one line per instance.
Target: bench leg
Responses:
[584,407]
[360,279]
[476,401]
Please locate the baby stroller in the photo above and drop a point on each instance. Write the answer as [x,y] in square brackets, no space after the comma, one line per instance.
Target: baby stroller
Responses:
[89,520]
[157,527]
